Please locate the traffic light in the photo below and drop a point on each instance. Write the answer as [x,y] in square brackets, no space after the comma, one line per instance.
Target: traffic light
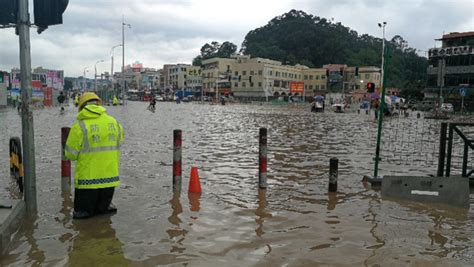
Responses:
[240,77]
[370,87]
[49,12]
[357,71]
[341,71]
[250,79]
[8,11]
[1,77]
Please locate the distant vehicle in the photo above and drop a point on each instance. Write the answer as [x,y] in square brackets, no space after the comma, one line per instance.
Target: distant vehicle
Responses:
[159,98]
[447,107]
[425,105]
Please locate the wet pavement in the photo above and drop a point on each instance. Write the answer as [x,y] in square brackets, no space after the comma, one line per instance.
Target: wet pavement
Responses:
[295,222]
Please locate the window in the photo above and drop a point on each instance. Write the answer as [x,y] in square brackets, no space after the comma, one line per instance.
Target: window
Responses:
[236,73]
[250,84]
[323,77]
[367,76]
[310,77]
[305,77]
[310,87]
[317,77]
[236,84]
[244,72]
[259,84]
[270,73]
[323,87]
[316,87]
[260,72]
[251,72]
[244,84]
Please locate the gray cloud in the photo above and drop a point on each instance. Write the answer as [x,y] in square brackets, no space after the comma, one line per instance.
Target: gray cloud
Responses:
[165,31]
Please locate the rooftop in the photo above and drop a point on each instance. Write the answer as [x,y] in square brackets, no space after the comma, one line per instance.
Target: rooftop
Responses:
[455,35]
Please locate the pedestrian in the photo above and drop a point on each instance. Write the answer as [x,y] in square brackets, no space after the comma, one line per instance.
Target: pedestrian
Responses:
[152,104]
[115,101]
[94,142]
[61,98]
[76,99]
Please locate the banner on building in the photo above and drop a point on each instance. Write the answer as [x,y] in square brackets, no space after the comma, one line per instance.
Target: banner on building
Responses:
[451,51]
[37,95]
[296,87]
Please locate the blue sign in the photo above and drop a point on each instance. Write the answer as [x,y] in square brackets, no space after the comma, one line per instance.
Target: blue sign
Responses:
[462,92]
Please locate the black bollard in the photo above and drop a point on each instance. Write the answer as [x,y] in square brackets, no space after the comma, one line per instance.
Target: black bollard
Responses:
[262,159]
[333,172]
[177,154]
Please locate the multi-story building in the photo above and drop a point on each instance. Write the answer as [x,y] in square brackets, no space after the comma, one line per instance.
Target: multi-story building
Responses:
[366,74]
[178,75]
[244,76]
[314,79]
[451,67]
[216,75]
[4,84]
[258,77]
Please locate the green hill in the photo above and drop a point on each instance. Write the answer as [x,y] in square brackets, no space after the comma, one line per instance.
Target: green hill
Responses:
[297,37]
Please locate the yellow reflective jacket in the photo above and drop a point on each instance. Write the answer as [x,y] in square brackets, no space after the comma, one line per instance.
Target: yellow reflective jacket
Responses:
[94,141]
[76,99]
[115,101]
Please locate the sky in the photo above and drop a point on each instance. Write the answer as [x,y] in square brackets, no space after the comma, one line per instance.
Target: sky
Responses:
[173,31]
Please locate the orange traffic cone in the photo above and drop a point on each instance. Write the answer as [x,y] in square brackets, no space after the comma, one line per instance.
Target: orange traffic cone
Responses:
[194,183]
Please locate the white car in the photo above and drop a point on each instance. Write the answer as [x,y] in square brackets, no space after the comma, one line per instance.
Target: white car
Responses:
[447,107]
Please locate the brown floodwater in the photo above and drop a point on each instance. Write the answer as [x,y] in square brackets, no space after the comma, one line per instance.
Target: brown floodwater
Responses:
[294,222]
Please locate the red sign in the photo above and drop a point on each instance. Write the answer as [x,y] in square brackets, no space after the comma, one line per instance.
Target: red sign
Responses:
[296,87]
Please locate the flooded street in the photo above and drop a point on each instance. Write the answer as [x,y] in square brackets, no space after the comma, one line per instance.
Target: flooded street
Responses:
[295,222]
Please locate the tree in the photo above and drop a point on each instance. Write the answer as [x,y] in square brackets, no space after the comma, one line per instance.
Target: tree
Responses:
[215,49]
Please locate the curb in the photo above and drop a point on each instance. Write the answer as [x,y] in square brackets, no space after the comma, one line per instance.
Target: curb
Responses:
[11,224]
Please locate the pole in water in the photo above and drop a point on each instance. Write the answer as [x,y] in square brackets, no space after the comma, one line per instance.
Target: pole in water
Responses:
[333,173]
[65,163]
[262,159]
[177,143]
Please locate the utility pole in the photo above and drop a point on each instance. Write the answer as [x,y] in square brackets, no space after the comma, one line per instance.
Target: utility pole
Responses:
[123,58]
[27,128]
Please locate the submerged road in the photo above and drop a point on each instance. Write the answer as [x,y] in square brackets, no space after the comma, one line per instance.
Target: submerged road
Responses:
[295,222]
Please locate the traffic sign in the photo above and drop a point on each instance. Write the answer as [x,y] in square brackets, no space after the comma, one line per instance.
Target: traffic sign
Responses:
[462,92]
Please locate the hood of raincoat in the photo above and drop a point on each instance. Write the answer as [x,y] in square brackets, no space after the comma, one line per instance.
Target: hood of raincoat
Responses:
[90,112]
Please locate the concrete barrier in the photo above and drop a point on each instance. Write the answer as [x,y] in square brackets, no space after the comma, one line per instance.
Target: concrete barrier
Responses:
[10,221]
[452,191]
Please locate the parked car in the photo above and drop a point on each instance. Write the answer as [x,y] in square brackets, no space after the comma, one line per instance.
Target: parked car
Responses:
[447,107]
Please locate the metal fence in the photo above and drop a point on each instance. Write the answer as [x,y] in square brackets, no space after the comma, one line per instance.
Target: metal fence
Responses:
[413,142]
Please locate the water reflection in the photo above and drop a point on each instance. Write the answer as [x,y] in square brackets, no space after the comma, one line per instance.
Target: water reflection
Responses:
[176,234]
[96,244]
[261,212]
[31,225]
[194,201]
[332,200]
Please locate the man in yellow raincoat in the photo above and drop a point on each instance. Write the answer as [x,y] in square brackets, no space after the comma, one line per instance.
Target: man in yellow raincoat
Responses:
[94,142]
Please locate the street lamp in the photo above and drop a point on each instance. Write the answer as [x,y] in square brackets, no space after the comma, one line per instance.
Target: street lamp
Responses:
[95,74]
[382,25]
[382,104]
[83,78]
[123,57]
[112,64]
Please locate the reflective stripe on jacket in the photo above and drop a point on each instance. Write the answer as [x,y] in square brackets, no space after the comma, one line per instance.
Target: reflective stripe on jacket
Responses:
[94,141]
